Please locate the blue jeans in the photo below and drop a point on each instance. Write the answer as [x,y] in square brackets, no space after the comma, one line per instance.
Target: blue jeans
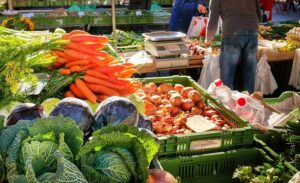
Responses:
[241,45]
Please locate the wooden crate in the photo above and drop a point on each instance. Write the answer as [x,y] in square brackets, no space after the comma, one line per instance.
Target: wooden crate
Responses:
[275,56]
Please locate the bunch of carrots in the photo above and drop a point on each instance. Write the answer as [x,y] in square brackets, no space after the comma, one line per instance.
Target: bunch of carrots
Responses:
[99,75]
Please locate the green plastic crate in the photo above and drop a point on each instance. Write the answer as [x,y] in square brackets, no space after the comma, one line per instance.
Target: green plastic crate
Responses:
[145,18]
[55,21]
[38,21]
[210,141]
[22,3]
[123,17]
[75,2]
[58,3]
[100,20]
[166,2]
[217,167]
[108,2]
[161,18]
[76,20]
[40,3]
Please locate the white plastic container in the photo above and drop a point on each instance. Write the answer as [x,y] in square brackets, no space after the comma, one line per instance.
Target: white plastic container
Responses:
[223,93]
[244,110]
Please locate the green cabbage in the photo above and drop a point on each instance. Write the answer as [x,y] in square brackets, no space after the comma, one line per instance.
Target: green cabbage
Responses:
[42,151]
[118,153]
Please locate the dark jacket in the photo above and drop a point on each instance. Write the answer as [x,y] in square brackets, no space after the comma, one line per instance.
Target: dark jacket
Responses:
[182,14]
[139,4]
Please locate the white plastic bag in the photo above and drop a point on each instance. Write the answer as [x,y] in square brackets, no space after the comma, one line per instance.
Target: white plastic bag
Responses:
[264,80]
[197,26]
[210,70]
[295,76]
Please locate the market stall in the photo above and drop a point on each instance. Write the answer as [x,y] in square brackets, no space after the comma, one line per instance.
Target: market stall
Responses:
[71,110]
[74,106]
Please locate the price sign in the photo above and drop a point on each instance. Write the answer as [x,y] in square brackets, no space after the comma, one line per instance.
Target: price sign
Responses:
[81,13]
[138,13]
[27,15]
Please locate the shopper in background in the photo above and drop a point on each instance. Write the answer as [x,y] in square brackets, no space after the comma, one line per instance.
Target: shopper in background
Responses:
[183,12]
[240,21]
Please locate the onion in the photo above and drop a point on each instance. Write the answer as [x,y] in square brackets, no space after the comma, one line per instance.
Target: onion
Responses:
[185,91]
[169,107]
[175,111]
[164,88]
[160,176]
[196,111]
[165,101]
[172,92]
[178,87]
[153,88]
[145,97]
[195,96]
[155,99]
[176,100]
[187,104]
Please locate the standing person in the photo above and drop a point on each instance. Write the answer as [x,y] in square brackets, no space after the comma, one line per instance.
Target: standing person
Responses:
[183,12]
[240,19]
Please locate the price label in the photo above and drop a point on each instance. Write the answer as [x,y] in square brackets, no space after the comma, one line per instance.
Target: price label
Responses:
[138,13]
[27,15]
[81,13]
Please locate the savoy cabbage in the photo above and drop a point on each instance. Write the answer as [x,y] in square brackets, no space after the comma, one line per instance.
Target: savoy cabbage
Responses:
[117,154]
[42,151]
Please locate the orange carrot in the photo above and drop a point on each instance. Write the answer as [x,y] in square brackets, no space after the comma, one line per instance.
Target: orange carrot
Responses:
[62,54]
[100,98]
[77,62]
[57,64]
[88,66]
[111,69]
[128,65]
[75,68]
[76,54]
[62,60]
[85,49]
[95,80]
[129,89]
[66,36]
[78,32]
[65,71]
[76,91]
[102,89]
[85,38]
[127,73]
[85,90]
[95,46]
[68,94]
[97,74]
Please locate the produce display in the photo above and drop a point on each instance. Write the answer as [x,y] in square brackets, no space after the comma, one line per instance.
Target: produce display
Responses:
[127,39]
[196,49]
[76,60]
[169,107]
[65,148]
[293,36]
[71,112]
[264,173]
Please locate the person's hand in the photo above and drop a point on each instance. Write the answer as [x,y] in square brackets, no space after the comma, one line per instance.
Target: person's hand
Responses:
[202,9]
[207,42]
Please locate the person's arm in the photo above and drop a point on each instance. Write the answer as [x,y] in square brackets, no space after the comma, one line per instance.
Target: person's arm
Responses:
[214,13]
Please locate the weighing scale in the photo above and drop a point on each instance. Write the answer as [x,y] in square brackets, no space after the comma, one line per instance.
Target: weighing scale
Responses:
[167,48]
